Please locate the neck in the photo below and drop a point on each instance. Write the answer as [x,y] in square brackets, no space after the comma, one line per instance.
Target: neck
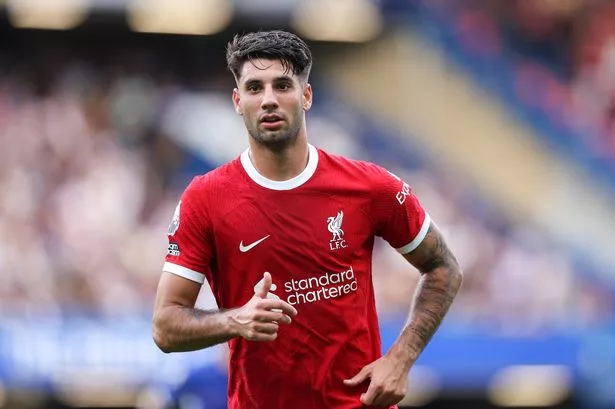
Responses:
[280,165]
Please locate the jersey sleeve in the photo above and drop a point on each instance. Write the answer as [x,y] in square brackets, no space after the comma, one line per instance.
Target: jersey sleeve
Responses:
[190,249]
[399,217]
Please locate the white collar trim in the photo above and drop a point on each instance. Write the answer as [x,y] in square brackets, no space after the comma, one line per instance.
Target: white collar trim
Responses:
[289,184]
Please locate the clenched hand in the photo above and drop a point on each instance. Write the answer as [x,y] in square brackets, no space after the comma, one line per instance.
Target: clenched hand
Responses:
[260,318]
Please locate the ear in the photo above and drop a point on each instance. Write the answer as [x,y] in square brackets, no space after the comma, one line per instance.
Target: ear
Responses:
[236,101]
[307,97]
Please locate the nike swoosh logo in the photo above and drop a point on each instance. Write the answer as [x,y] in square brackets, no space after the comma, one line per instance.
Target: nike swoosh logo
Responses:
[249,247]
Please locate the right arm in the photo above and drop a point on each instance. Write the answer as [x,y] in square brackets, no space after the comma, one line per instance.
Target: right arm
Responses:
[178,326]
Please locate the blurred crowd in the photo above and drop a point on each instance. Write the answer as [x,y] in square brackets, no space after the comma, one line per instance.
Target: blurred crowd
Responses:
[515,282]
[89,180]
[84,198]
[582,37]
[564,55]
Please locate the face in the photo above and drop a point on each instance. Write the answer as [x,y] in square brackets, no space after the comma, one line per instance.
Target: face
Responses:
[272,102]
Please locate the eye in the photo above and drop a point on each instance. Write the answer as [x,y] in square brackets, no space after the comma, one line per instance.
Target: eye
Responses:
[284,86]
[253,87]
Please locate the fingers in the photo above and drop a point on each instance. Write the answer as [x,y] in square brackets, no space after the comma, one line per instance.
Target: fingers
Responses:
[260,336]
[363,374]
[266,327]
[262,332]
[259,331]
[271,316]
[281,306]
[262,291]
[387,385]
[377,396]
[371,395]
[383,394]
[259,319]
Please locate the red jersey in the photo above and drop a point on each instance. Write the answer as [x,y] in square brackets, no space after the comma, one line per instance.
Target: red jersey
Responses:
[314,234]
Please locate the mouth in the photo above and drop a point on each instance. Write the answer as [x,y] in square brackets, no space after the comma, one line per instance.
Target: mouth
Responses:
[271,121]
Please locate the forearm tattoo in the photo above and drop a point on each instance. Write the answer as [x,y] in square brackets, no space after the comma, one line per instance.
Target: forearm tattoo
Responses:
[435,293]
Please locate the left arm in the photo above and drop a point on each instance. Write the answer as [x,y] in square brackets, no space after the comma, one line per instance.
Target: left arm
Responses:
[439,284]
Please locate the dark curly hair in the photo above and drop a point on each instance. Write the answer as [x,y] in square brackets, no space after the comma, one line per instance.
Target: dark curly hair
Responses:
[290,49]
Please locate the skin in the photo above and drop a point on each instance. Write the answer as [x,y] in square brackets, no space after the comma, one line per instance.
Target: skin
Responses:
[280,152]
[265,87]
[179,327]
[439,284]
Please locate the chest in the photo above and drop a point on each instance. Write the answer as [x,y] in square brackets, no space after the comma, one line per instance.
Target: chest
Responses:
[316,226]
[317,247]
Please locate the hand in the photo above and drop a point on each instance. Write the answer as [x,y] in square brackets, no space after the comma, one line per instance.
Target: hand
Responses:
[388,382]
[259,319]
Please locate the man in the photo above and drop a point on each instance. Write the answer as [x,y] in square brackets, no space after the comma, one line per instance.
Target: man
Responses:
[284,234]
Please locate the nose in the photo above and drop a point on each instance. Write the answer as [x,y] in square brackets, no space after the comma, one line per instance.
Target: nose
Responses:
[269,101]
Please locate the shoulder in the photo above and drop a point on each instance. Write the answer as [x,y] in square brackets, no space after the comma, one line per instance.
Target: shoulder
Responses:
[204,193]
[358,170]
[215,180]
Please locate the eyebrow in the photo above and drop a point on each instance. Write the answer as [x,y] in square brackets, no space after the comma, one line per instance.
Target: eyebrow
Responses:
[276,79]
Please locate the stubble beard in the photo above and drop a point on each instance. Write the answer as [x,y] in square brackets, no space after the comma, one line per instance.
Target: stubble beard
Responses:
[280,140]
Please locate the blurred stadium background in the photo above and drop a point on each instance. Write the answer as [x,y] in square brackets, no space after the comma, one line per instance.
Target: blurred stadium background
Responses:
[500,114]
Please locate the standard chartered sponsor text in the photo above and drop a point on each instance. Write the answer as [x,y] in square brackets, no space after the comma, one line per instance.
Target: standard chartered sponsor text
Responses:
[323,287]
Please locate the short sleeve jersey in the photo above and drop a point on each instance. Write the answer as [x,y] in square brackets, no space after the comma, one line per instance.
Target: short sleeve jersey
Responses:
[314,234]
